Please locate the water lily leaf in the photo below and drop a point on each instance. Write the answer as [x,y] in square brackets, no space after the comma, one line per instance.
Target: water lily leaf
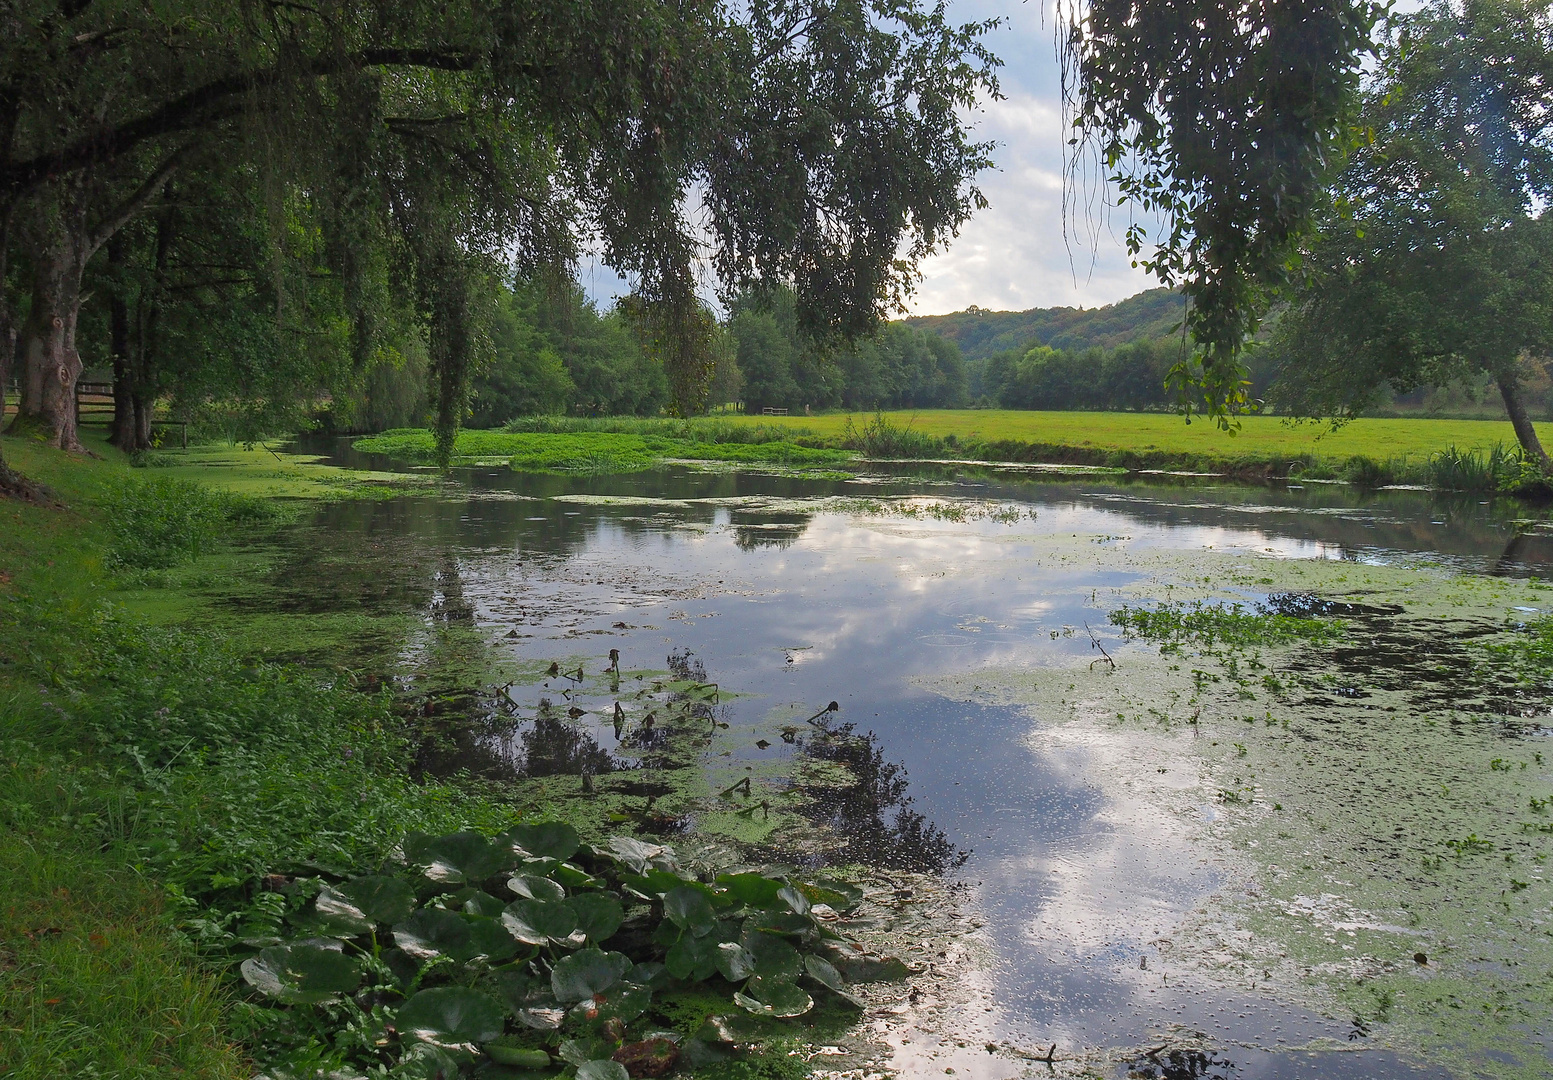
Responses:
[336,912]
[752,890]
[540,922]
[459,857]
[648,974]
[858,966]
[730,1028]
[376,897]
[779,998]
[478,902]
[795,900]
[423,1061]
[302,974]
[434,932]
[539,867]
[734,961]
[452,1018]
[774,956]
[586,973]
[402,966]
[518,1057]
[489,938]
[824,973]
[602,1070]
[622,1002]
[536,888]
[593,1048]
[639,856]
[599,915]
[780,922]
[837,895]
[574,877]
[652,885]
[545,840]
[692,958]
[688,908]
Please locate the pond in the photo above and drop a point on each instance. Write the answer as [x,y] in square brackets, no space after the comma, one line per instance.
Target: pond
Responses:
[1133,889]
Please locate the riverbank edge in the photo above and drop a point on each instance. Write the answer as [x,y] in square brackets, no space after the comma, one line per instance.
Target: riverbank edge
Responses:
[883,437]
[93,974]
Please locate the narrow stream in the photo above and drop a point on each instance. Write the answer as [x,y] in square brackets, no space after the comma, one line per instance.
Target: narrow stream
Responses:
[793,593]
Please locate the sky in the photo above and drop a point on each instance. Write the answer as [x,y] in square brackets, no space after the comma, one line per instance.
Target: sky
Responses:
[1014,254]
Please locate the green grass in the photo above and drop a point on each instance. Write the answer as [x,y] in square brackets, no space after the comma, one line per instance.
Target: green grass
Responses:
[1260,439]
[593,451]
[142,764]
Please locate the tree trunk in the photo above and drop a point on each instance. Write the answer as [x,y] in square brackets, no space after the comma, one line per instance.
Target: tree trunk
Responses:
[1525,430]
[50,363]
[123,435]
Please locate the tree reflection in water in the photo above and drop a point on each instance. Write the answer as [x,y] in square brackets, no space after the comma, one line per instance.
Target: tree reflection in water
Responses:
[556,747]
[873,816]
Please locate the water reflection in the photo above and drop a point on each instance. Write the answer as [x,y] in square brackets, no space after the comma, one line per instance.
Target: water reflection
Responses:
[795,608]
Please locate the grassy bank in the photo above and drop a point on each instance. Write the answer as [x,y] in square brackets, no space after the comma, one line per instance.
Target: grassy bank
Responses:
[219,864]
[1396,450]
[603,451]
[1464,455]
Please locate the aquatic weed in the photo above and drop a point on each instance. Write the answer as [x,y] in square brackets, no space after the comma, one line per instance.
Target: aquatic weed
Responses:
[1233,625]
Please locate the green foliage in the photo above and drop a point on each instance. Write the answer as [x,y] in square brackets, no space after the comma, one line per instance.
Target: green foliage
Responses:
[1226,120]
[1433,268]
[471,967]
[899,366]
[1132,376]
[880,437]
[1212,624]
[595,451]
[161,522]
[980,333]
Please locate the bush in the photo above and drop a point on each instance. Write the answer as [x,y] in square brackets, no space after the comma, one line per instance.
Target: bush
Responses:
[879,438]
[160,523]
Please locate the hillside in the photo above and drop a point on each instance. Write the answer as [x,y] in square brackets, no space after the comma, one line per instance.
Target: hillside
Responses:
[981,333]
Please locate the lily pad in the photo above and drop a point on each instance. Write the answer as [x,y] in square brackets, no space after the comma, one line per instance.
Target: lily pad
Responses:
[479,902]
[545,840]
[540,922]
[688,908]
[602,1070]
[734,961]
[489,938]
[599,915]
[823,973]
[752,890]
[452,1018]
[641,857]
[586,973]
[777,998]
[458,857]
[435,932]
[692,958]
[773,956]
[377,897]
[536,888]
[302,974]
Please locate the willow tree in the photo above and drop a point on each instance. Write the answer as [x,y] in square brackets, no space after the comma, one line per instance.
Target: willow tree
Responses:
[813,142]
[1437,262]
[1226,120]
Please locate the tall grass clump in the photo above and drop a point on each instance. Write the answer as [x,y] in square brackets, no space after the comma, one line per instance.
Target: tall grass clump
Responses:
[159,523]
[1501,468]
[882,438]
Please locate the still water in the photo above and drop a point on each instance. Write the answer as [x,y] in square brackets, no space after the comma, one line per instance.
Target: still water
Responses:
[790,594]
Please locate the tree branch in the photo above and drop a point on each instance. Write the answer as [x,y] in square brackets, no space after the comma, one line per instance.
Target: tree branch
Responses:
[211,103]
[119,216]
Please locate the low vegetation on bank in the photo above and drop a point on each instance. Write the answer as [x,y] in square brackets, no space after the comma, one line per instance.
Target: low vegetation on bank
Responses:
[1448,455]
[217,865]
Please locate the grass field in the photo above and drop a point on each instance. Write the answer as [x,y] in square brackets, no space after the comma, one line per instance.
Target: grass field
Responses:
[1261,438]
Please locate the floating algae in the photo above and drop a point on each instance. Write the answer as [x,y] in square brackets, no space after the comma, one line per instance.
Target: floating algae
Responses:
[1358,764]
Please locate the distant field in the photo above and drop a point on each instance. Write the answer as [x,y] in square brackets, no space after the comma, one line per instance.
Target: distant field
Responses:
[1260,437]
